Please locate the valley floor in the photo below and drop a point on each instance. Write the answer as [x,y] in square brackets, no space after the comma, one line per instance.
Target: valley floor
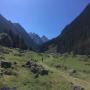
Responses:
[65,71]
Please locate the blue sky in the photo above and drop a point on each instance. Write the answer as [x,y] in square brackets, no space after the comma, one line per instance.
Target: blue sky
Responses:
[44,17]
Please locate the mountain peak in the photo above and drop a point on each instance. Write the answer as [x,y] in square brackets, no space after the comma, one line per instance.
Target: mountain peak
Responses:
[37,39]
[44,38]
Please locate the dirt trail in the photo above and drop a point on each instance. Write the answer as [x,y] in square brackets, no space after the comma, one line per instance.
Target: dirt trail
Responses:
[76,81]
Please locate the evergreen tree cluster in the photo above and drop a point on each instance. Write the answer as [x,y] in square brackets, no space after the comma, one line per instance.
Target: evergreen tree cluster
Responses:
[9,39]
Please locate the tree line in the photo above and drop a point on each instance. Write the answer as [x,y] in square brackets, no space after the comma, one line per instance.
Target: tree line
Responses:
[9,39]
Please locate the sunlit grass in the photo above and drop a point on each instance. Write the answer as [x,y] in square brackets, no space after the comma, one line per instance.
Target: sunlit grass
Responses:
[58,79]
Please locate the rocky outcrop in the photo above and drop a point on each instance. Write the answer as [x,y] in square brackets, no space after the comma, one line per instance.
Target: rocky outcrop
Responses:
[35,68]
[37,39]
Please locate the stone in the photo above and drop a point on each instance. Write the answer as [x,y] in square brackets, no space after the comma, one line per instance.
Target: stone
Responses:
[5,64]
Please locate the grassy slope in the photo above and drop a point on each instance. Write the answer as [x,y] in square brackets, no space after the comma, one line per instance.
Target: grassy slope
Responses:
[58,79]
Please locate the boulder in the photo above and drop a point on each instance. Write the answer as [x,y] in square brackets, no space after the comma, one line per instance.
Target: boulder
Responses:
[44,72]
[72,71]
[58,65]
[36,69]
[30,64]
[15,63]
[76,87]
[5,64]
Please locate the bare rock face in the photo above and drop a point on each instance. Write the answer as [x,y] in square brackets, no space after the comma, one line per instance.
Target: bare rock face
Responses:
[44,39]
[37,39]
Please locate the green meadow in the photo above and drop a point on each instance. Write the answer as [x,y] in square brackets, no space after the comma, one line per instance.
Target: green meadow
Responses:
[61,70]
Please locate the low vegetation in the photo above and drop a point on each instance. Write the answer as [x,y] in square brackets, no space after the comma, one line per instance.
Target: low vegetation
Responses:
[27,70]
